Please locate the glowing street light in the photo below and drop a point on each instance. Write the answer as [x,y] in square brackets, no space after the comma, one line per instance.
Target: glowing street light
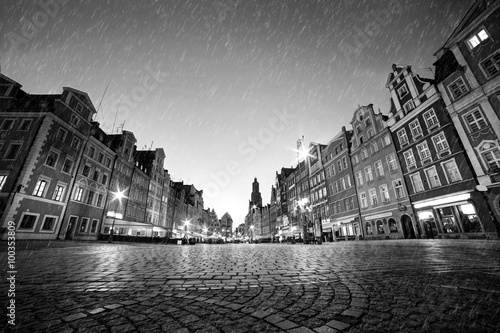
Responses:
[116,196]
[251,228]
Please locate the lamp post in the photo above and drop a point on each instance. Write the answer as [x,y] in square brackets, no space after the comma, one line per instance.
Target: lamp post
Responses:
[116,196]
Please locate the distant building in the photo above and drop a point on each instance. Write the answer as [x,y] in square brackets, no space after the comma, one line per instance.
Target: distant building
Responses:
[227,225]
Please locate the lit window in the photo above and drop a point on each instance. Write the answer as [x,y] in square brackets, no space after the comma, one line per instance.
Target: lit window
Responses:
[402,137]
[458,88]
[78,194]
[440,143]
[364,153]
[451,171]
[40,188]
[416,181]
[58,193]
[399,189]
[475,120]
[374,147]
[3,179]
[355,159]
[477,38]
[433,177]
[431,119]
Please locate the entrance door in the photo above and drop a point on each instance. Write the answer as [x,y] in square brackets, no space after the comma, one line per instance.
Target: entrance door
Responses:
[408,231]
[71,226]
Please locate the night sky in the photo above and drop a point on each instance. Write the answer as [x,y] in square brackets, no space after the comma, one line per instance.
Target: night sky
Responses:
[225,87]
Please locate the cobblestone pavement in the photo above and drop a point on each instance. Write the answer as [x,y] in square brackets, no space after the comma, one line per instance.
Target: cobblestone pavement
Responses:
[371,286]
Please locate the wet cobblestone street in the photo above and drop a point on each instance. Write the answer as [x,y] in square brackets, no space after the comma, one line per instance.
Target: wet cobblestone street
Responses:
[377,286]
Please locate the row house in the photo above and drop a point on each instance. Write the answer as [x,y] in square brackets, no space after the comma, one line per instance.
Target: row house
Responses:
[86,205]
[213,226]
[439,178]
[273,214]
[343,208]
[179,211]
[290,221]
[226,222]
[281,198]
[384,204]
[195,205]
[467,73]
[42,139]
[317,199]
[302,208]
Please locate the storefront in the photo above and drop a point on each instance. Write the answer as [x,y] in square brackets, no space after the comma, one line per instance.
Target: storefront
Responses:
[132,228]
[345,228]
[327,227]
[396,223]
[453,216]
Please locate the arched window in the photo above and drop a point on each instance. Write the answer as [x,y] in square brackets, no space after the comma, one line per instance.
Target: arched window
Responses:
[380,227]
[369,228]
[393,227]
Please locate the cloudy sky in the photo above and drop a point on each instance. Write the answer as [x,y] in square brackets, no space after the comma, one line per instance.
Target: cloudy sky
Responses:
[225,87]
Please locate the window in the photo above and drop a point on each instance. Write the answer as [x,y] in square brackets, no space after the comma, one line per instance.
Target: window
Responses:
[391,162]
[344,163]
[86,170]
[361,141]
[403,91]
[108,162]
[432,177]
[402,137]
[104,179]
[399,189]
[408,106]
[93,228]
[13,151]
[95,176]
[416,181]
[28,221]
[374,147]
[423,151]
[415,129]
[368,174]
[386,141]
[355,159]
[67,166]
[91,152]
[7,125]
[492,158]
[359,178]
[99,200]
[384,193]
[58,193]
[100,157]
[373,197]
[393,227]
[475,120]
[409,159]
[379,169]
[368,227]
[90,198]
[3,179]
[492,65]
[364,153]
[75,143]
[61,134]
[75,121]
[348,181]
[477,38]
[52,158]
[79,194]
[83,224]
[339,165]
[451,171]
[342,184]
[431,119]
[362,200]
[335,187]
[25,125]
[458,88]
[351,202]
[440,143]
[40,187]
[49,223]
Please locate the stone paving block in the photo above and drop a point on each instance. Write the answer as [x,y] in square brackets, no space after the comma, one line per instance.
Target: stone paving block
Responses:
[352,313]
[234,306]
[326,329]
[129,302]
[113,306]
[286,325]
[301,329]
[75,316]
[274,319]
[96,311]
[261,314]
[338,325]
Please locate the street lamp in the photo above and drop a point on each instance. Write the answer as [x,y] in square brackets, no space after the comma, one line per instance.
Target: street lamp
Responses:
[116,196]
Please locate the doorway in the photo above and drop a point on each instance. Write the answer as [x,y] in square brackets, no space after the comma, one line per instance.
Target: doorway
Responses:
[408,231]
[71,227]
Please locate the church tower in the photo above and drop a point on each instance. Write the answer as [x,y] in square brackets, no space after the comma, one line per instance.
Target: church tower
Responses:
[256,198]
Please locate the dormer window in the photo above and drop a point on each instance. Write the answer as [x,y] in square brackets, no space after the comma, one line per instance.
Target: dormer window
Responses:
[403,91]
[409,106]
[458,88]
[477,38]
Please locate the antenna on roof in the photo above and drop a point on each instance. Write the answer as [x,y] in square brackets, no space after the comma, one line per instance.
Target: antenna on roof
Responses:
[151,145]
[103,94]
